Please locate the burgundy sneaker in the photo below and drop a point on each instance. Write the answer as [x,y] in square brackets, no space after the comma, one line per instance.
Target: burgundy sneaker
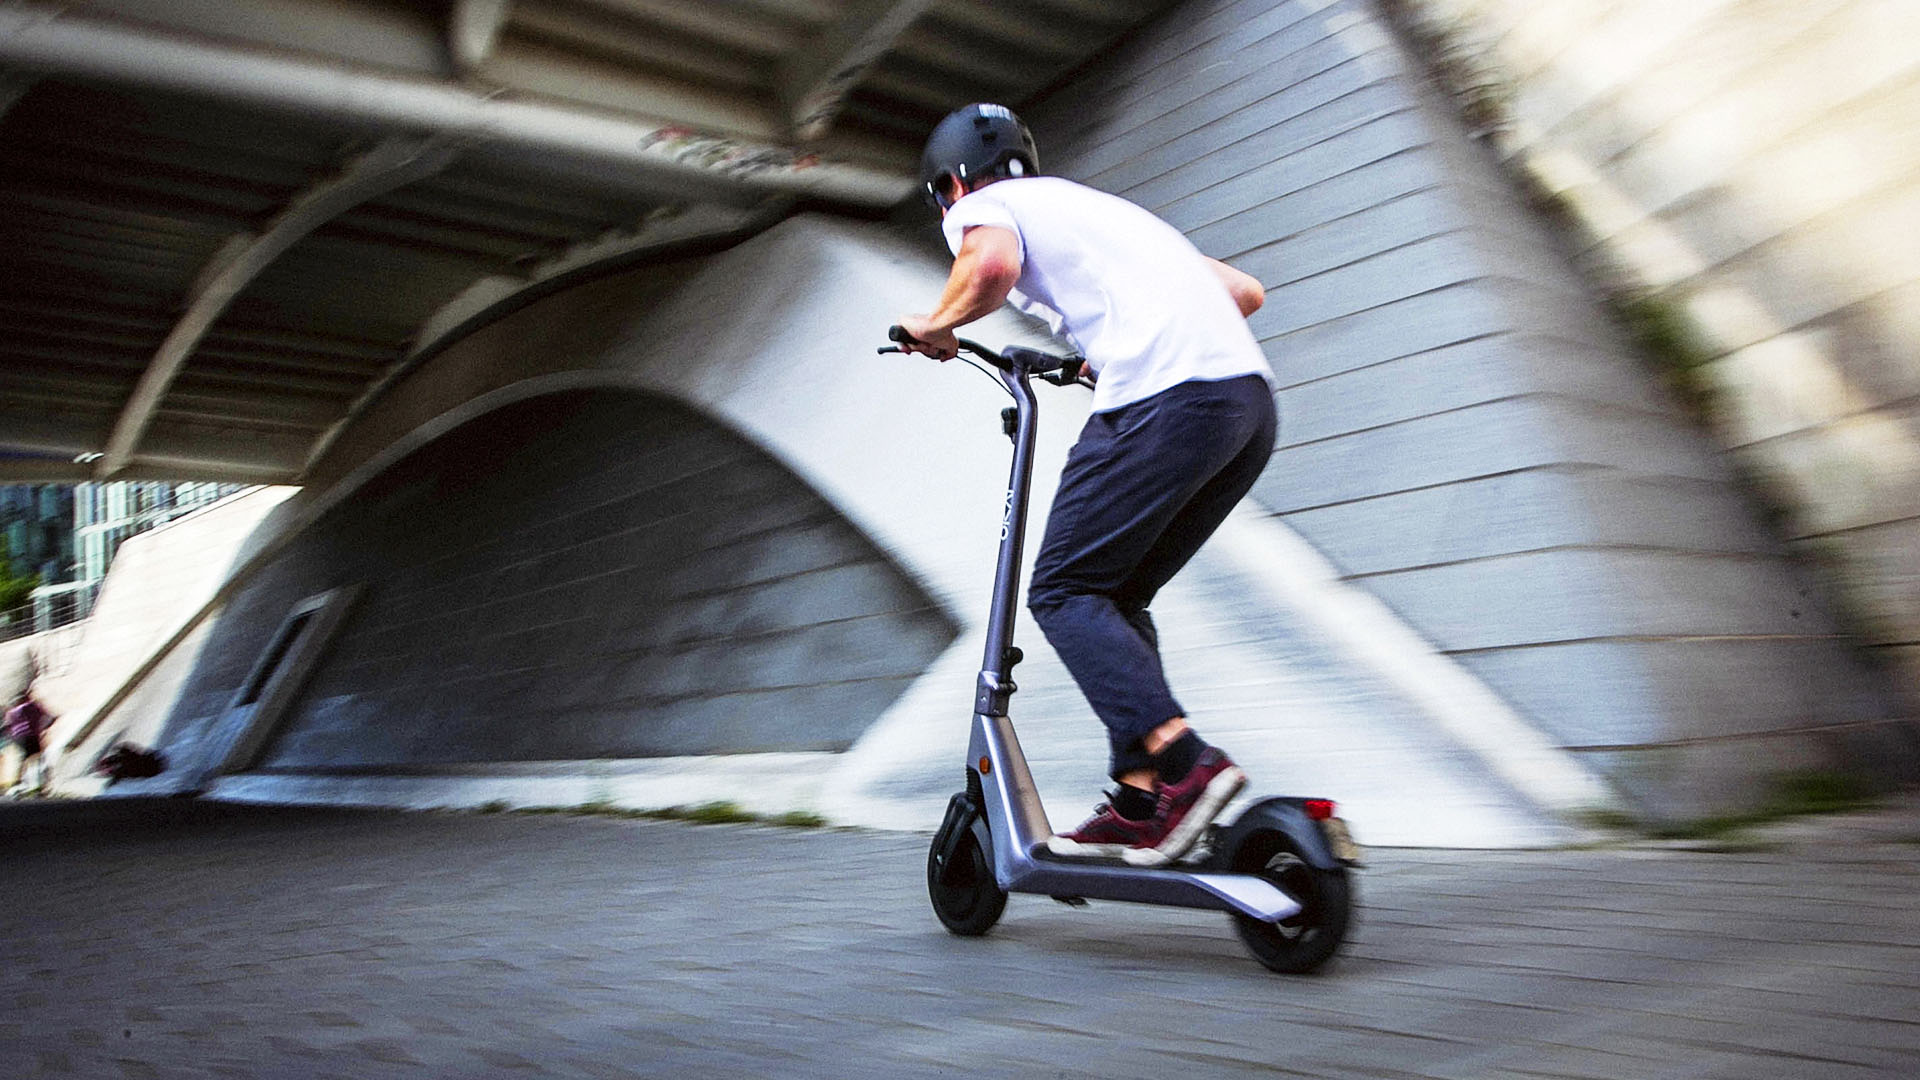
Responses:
[1188,807]
[1107,835]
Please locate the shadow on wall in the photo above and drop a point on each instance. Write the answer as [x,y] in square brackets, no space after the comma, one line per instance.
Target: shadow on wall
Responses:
[591,573]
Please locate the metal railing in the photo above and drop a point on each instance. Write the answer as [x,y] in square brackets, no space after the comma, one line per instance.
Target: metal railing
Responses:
[50,610]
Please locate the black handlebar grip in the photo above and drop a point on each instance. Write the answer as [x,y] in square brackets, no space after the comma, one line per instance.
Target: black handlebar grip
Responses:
[899,333]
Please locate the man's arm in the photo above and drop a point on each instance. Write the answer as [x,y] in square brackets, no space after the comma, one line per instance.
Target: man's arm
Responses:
[983,274]
[1247,292]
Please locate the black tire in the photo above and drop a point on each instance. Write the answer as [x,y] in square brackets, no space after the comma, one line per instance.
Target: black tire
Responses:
[1296,945]
[965,897]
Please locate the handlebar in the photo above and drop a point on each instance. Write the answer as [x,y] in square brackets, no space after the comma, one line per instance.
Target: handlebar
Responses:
[1015,359]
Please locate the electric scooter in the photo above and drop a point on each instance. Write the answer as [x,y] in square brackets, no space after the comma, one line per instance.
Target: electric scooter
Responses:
[1281,869]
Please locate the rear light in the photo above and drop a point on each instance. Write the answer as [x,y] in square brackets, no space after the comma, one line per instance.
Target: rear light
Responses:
[1318,809]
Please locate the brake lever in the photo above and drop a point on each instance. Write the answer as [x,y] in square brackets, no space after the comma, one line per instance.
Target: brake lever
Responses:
[1067,374]
[889,348]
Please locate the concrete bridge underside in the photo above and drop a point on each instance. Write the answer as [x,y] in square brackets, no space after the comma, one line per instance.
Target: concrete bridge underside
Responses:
[1491,578]
[639,605]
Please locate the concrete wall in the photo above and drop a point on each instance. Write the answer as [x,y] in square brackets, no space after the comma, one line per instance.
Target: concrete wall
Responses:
[1464,438]
[590,573]
[158,578]
[158,584]
[772,344]
[1756,167]
[1463,432]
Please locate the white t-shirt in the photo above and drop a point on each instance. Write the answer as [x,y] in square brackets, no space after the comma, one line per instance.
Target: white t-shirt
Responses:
[1133,295]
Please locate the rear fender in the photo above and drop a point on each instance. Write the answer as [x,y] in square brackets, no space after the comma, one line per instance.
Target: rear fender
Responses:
[1282,814]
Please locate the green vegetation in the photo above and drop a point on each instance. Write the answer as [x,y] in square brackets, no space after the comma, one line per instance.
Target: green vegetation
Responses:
[1459,64]
[1734,844]
[1667,340]
[1793,795]
[14,590]
[712,813]
[1608,820]
[1665,337]
[1653,321]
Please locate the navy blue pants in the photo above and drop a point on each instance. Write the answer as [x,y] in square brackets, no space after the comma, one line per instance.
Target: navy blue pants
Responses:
[1143,488]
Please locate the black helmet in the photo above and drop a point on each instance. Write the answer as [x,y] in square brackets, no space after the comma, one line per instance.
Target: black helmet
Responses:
[974,142]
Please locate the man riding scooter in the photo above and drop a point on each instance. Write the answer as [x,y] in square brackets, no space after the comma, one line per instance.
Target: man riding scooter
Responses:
[1183,422]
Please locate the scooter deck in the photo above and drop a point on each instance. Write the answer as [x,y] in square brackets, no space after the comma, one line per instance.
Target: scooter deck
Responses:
[1178,885]
[1196,859]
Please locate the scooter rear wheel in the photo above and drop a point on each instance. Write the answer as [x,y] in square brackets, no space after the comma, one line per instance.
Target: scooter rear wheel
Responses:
[1302,942]
[964,894]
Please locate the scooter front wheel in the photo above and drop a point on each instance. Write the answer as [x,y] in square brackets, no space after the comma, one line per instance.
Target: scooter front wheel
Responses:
[964,894]
[1300,943]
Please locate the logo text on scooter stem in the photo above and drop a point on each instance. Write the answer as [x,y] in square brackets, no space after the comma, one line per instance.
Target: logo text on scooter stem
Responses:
[1006,517]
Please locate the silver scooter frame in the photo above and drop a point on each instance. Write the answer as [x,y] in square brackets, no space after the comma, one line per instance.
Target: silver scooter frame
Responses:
[1015,820]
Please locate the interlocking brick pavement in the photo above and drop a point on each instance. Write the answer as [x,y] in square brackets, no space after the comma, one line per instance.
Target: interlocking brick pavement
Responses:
[180,939]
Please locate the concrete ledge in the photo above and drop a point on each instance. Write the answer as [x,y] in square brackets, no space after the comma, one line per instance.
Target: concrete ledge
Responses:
[1550,597]
[757,783]
[1697,778]
[1657,691]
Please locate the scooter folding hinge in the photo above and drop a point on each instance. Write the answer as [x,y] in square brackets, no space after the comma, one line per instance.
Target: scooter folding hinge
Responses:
[990,697]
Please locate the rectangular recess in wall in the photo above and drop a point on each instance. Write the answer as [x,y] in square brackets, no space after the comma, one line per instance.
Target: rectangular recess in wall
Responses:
[270,661]
[293,651]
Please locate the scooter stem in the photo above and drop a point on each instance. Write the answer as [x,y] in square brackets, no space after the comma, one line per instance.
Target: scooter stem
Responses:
[996,668]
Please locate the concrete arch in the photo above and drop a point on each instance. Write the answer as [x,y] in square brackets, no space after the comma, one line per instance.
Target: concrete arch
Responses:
[775,340]
[570,568]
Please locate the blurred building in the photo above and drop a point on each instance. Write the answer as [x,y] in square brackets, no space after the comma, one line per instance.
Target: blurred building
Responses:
[67,534]
[36,535]
[105,515]
[37,522]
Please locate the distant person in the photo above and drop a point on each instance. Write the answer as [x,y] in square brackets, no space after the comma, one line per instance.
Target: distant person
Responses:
[26,726]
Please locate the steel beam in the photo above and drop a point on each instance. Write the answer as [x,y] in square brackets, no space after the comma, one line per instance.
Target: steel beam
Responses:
[30,424]
[815,80]
[56,393]
[399,36]
[13,86]
[660,232]
[732,26]
[654,155]
[635,48]
[473,29]
[30,470]
[387,166]
[195,448]
[1022,29]
[42,471]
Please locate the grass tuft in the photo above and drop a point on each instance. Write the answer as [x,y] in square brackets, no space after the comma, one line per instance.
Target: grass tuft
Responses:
[711,813]
[714,813]
[1608,820]
[1794,795]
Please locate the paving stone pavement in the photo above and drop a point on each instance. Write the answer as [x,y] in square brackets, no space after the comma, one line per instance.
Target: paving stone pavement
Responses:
[182,939]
